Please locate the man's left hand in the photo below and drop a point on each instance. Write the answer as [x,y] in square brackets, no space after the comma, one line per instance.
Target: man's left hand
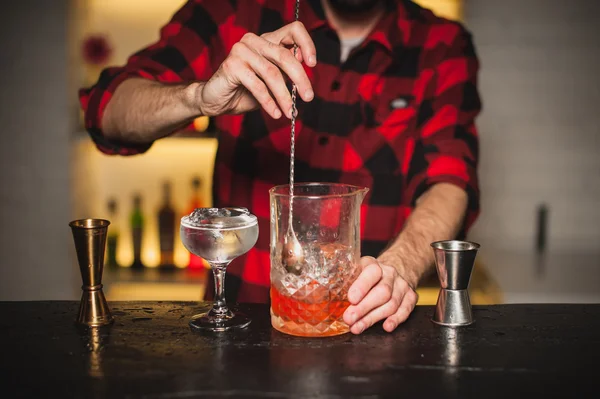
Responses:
[378,293]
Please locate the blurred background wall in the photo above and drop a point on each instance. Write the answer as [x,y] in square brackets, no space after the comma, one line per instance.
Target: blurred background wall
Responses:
[539,142]
[36,121]
[540,129]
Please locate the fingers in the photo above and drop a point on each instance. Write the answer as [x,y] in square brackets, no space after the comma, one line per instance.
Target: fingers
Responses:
[295,33]
[233,66]
[259,64]
[379,293]
[408,304]
[370,275]
[282,58]
[270,75]
[381,302]
[298,55]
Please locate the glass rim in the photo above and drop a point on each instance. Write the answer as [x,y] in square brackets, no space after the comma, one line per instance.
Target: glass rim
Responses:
[355,190]
[209,226]
[455,245]
[89,223]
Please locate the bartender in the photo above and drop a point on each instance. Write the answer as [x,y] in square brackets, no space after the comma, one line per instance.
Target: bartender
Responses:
[388,98]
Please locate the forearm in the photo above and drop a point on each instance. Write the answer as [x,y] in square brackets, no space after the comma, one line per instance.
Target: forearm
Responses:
[141,110]
[439,215]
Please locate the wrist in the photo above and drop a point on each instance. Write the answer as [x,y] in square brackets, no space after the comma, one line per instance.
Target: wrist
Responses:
[397,261]
[193,98]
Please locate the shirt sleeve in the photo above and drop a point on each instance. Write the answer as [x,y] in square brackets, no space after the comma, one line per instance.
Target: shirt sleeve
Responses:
[447,149]
[180,54]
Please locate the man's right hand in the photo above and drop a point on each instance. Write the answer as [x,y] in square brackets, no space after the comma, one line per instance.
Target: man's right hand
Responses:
[252,74]
[143,110]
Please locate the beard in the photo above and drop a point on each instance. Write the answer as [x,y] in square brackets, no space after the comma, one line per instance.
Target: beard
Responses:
[353,7]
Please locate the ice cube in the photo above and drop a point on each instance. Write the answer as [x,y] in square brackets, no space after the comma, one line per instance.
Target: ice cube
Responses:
[223,217]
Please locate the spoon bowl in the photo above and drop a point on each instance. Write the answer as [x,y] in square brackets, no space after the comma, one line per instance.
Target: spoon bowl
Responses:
[293,255]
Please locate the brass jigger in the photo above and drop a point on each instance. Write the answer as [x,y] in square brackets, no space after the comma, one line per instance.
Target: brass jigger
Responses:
[90,241]
[454,262]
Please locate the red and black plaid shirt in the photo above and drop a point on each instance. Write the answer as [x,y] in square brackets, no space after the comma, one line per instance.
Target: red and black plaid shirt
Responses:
[397,116]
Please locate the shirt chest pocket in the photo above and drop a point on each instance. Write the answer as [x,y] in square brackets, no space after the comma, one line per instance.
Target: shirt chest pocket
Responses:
[390,117]
[394,113]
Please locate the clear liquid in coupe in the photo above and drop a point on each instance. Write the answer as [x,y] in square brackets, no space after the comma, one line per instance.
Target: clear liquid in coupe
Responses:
[219,245]
[219,235]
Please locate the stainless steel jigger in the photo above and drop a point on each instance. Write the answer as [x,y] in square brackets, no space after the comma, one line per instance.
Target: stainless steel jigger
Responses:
[454,261]
[90,242]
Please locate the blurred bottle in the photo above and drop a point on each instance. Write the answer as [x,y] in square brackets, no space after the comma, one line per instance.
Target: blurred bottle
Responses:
[166,229]
[137,231]
[112,237]
[196,200]
[196,263]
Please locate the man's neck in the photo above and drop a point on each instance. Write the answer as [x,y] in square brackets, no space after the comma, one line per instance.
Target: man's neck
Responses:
[350,26]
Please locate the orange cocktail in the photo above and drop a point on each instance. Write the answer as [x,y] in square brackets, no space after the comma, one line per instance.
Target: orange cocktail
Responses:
[310,298]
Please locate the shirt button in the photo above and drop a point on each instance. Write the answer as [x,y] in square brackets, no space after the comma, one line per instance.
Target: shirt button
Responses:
[323,140]
[335,86]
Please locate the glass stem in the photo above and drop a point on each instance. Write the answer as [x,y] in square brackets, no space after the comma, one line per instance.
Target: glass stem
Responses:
[220,305]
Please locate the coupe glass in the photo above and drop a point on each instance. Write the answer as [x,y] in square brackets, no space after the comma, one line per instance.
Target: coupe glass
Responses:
[219,235]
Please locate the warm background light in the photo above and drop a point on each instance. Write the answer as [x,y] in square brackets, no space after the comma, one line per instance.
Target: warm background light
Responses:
[126,291]
[129,24]
[99,177]
[451,9]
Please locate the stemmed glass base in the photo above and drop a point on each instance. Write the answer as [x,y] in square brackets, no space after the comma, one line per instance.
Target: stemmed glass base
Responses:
[219,236]
[212,321]
[219,318]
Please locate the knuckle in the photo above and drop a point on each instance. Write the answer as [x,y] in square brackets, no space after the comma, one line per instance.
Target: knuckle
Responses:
[373,267]
[384,292]
[400,317]
[227,65]
[394,304]
[269,103]
[297,25]
[271,71]
[412,296]
[237,48]
[366,261]
[248,36]
[372,273]
[376,269]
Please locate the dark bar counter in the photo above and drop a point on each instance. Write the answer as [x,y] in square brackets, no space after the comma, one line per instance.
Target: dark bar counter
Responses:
[150,352]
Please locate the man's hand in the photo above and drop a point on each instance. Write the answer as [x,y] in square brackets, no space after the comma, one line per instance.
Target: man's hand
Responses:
[252,74]
[378,293]
[385,288]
